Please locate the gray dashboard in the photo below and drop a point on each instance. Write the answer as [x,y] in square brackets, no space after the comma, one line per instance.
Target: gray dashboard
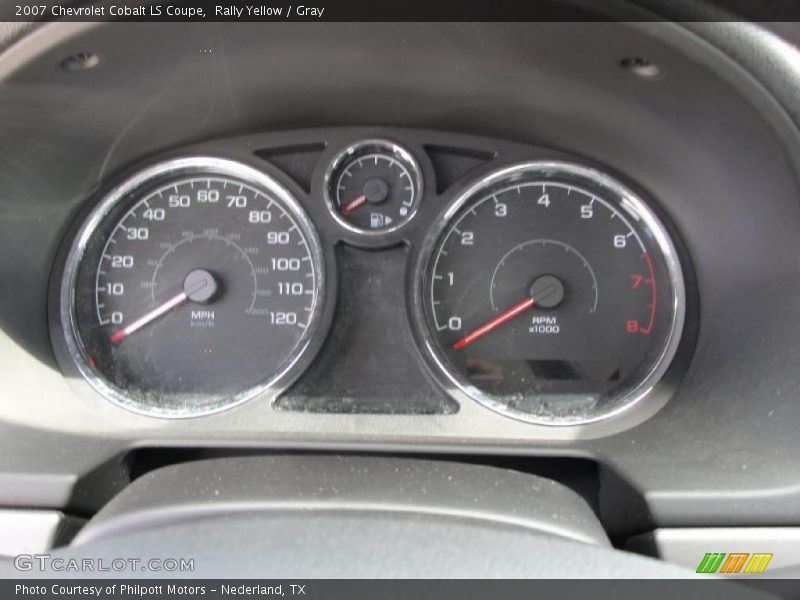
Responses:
[713,140]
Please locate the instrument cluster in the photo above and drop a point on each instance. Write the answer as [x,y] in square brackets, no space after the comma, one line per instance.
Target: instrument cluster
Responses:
[539,285]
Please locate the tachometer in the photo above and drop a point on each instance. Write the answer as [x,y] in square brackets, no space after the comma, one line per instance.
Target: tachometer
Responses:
[552,293]
[193,286]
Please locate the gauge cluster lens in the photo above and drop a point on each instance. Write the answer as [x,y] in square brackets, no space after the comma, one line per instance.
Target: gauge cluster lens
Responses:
[552,294]
[374,187]
[193,286]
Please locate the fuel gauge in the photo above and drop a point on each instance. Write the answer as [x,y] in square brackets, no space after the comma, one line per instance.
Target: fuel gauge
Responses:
[373,187]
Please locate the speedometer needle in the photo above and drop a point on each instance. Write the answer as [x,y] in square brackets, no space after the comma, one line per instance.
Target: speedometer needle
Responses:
[199,286]
[499,320]
[149,317]
[353,204]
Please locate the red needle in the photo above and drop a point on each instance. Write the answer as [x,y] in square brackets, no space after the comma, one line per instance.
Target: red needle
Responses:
[512,312]
[149,317]
[198,286]
[353,204]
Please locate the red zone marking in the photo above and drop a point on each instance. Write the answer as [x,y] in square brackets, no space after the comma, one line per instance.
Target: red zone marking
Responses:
[652,305]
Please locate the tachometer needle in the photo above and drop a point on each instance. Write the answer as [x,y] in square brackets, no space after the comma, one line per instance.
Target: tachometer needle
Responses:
[353,204]
[499,320]
[149,317]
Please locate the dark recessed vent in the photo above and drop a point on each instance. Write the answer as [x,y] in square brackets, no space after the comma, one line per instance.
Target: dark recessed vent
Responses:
[451,164]
[298,162]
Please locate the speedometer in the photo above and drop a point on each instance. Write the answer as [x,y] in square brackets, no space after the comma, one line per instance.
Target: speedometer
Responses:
[551,293]
[192,286]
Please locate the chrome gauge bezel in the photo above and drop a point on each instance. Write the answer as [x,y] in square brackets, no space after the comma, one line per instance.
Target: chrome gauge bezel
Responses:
[626,200]
[288,370]
[402,154]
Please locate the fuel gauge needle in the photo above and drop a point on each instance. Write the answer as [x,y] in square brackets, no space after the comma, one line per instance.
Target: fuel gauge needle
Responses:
[499,320]
[353,204]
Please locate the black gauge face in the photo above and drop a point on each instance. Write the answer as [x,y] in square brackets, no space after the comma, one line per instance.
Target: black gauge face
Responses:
[194,290]
[553,295]
[374,187]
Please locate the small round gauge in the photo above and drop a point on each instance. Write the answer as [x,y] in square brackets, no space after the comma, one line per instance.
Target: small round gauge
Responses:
[373,187]
[192,286]
[552,294]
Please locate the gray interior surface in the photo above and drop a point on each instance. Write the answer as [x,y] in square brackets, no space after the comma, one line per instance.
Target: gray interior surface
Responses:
[328,545]
[230,486]
[714,141]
